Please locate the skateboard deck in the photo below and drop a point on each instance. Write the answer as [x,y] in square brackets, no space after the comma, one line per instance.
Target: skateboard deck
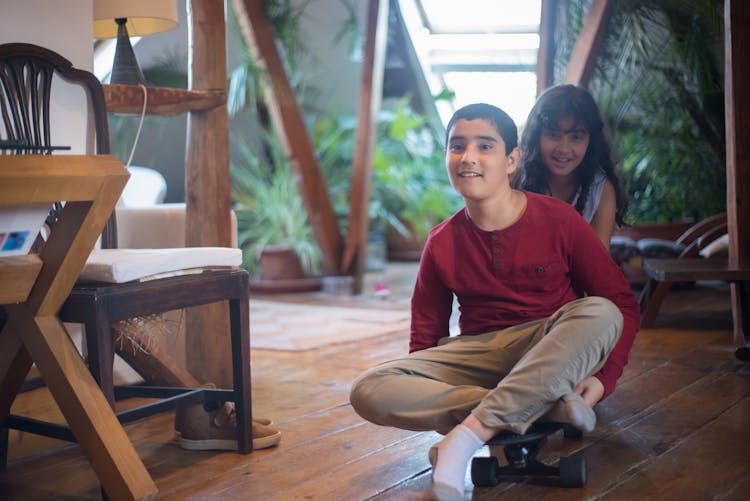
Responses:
[520,453]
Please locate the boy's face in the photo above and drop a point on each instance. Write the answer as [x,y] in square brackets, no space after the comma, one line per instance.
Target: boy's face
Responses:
[477,164]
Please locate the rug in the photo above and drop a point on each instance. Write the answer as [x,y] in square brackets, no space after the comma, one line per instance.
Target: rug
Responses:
[276,325]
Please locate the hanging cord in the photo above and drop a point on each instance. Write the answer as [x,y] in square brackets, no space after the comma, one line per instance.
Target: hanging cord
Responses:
[140,124]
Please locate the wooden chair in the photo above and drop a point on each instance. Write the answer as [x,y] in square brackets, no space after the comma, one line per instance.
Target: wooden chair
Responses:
[686,248]
[26,79]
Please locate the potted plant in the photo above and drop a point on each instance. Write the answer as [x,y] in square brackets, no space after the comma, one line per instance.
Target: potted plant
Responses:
[659,85]
[278,245]
[411,192]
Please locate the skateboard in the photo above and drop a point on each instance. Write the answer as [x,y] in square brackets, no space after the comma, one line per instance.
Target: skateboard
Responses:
[520,452]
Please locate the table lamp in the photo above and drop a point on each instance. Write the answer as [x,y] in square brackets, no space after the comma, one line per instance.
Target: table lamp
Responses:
[125,18]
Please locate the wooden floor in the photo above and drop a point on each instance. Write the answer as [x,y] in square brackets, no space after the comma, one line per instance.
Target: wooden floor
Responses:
[676,428]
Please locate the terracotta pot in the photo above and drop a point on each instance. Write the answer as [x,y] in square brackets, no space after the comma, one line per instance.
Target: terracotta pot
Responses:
[280,262]
[403,248]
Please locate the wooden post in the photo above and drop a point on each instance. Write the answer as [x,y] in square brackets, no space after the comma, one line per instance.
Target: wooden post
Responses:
[291,128]
[589,44]
[207,187]
[371,92]
[737,118]
[546,55]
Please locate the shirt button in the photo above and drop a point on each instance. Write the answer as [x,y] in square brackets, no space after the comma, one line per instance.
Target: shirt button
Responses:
[498,264]
[540,269]
[495,238]
[495,250]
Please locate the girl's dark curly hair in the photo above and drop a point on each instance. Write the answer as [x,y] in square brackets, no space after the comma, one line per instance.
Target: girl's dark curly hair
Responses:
[553,105]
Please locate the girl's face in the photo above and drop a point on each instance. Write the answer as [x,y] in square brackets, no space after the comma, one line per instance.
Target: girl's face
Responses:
[564,147]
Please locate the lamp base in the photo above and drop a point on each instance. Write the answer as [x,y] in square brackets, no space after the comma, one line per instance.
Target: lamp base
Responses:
[125,69]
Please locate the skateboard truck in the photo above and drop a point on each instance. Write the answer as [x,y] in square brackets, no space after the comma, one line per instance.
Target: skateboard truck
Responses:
[520,452]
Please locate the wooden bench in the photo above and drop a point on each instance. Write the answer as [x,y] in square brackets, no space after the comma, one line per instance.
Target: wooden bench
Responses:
[663,272]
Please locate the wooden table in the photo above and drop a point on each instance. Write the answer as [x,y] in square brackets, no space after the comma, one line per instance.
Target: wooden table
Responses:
[34,287]
[689,270]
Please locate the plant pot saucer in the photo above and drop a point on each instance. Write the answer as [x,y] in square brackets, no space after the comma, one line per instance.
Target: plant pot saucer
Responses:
[287,285]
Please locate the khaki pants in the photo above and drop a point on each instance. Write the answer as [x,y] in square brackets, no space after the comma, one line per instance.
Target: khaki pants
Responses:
[507,379]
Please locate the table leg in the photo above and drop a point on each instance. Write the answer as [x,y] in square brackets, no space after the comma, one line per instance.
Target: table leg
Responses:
[15,363]
[741,316]
[84,406]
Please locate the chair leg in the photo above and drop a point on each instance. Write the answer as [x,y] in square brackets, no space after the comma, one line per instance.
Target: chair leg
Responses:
[4,438]
[3,429]
[652,296]
[101,352]
[239,313]
[740,292]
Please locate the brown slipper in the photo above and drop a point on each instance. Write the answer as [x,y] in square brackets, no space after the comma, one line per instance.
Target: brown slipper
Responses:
[199,429]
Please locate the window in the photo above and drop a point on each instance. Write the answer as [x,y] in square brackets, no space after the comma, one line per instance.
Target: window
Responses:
[483,50]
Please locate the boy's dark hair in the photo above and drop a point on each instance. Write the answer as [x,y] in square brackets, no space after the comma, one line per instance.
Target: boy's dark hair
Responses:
[553,105]
[505,125]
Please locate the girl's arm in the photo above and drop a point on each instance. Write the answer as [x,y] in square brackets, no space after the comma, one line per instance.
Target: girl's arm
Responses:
[603,221]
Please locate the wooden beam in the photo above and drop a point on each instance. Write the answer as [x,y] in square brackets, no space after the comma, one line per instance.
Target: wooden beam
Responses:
[545,61]
[207,187]
[737,119]
[371,92]
[128,99]
[290,126]
[589,44]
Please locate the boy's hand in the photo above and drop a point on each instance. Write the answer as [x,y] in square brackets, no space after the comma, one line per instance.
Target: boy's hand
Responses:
[591,390]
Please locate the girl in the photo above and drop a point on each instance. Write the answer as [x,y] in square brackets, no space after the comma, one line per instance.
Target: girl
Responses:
[566,155]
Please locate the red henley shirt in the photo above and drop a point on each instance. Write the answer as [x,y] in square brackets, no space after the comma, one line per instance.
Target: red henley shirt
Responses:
[525,272]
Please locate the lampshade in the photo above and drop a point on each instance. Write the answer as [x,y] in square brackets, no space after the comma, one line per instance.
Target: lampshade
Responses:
[126,18]
[145,17]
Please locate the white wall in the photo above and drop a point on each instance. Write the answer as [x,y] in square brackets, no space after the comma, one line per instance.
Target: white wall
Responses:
[65,27]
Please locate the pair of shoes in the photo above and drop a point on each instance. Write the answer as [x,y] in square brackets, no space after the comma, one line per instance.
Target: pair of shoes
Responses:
[199,429]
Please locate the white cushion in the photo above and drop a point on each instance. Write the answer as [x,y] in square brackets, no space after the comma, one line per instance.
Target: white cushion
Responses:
[125,265]
[719,247]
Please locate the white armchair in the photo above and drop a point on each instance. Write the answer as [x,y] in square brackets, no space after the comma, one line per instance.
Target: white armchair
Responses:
[156,226]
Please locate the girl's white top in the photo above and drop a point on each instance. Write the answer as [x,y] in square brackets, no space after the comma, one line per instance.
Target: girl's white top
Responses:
[595,196]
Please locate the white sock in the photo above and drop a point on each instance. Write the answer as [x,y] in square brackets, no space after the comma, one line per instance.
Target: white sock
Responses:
[450,456]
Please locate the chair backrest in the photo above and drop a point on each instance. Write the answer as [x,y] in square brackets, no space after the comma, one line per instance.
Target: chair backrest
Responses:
[26,76]
[700,228]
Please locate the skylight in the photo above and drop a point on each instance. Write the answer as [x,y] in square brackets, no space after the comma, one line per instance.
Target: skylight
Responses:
[483,50]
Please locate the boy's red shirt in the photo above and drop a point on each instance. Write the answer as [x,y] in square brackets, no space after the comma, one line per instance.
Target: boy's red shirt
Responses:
[546,259]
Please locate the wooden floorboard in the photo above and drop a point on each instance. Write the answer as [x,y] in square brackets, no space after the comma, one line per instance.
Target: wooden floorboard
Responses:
[677,426]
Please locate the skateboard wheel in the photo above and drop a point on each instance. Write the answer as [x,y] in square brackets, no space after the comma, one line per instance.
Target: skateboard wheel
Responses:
[573,471]
[484,472]
[571,432]
[742,353]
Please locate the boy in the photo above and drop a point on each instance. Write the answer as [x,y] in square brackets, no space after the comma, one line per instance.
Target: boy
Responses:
[531,343]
